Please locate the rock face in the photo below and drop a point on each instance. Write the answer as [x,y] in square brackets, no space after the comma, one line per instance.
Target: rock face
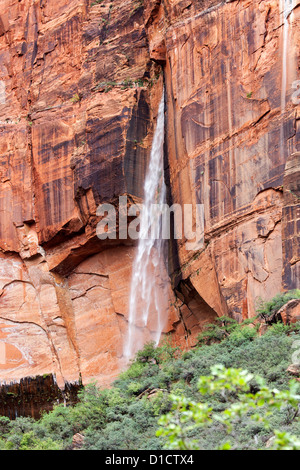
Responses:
[233,144]
[290,313]
[31,396]
[80,83]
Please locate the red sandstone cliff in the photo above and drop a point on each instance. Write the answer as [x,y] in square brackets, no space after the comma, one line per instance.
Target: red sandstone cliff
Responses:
[80,83]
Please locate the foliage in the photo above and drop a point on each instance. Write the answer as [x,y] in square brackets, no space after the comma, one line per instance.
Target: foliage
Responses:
[285,441]
[76,98]
[234,387]
[31,442]
[150,353]
[96,2]
[266,309]
[125,84]
[226,326]
[225,403]
[5,425]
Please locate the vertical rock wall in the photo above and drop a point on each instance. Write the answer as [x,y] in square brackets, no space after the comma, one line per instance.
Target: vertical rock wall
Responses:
[80,83]
[232,71]
[78,101]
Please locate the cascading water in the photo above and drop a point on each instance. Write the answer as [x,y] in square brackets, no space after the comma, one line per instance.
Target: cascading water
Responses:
[149,285]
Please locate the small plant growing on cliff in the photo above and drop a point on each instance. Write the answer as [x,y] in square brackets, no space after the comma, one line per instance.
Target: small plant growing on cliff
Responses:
[140,82]
[266,309]
[29,121]
[127,83]
[124,85]
[76,98]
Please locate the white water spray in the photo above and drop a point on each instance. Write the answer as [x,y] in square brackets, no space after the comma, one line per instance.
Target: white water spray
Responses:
[149,285]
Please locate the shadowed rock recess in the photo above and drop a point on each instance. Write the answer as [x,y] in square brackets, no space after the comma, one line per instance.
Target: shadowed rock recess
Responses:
[80,85]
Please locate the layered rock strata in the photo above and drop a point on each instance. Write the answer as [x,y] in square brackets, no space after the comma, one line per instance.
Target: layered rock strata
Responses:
[80,84]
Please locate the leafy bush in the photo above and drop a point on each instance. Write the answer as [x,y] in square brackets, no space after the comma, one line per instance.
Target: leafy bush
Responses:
[224,327]
[31,442]
[266,309]
[5,425]
[126,415]
[234,386]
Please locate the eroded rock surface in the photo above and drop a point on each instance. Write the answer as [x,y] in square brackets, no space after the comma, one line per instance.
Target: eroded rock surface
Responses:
[80,83]
[233,144]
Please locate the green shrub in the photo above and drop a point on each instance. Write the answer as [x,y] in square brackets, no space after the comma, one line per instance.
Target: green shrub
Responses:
[126,415]
[266,309]
[234,385]
[5,425]
[76,98]
[223,328]
[31,442]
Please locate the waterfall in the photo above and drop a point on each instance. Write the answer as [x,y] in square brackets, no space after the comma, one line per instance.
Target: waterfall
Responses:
[148,302]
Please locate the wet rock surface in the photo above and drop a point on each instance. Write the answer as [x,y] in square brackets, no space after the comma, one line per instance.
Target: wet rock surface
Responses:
[80,84]
[33,395]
